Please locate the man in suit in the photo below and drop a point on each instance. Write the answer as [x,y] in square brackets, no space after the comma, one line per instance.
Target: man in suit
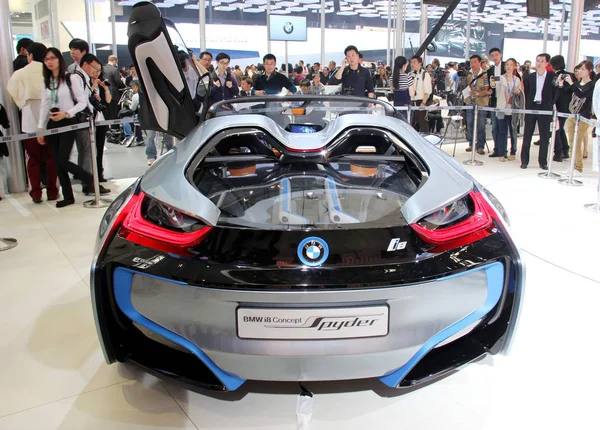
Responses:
[246,87]
[494,72]
[539,95]
[112,75]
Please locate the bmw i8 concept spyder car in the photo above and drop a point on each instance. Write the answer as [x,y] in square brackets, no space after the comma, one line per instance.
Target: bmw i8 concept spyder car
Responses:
[297,238]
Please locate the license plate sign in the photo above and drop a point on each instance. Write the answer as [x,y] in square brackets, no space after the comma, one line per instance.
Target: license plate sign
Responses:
[312,324]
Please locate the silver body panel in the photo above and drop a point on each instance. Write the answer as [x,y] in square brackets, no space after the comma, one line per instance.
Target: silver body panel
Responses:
[167,182]
[207,318]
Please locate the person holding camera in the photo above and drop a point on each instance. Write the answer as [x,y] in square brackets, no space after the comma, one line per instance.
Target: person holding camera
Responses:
[581,103]
[224,86]
[476,94]
[496,70]
[102,99]
[62,102]
[562,99]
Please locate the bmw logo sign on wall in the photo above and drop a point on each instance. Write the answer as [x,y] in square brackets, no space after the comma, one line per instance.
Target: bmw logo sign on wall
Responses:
[313,251]
[288,27]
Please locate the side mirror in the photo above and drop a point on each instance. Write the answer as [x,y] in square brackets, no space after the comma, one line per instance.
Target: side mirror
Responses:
[434,139]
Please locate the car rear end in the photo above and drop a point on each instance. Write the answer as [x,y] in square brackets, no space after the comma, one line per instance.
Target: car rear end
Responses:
[314,269]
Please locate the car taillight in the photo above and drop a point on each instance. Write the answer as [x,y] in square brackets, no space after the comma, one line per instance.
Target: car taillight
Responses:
[155,225]
[460,223]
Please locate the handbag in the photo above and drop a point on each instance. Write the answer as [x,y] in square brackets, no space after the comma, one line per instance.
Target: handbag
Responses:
[85,114]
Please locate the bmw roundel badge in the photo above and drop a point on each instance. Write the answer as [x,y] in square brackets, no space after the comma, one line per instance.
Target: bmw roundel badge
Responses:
[288,27]
[313,251]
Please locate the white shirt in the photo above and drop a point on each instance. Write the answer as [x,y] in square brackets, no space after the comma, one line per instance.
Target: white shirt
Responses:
[539,85]
[65,101]
[498,69]
[31,116]
[192,78]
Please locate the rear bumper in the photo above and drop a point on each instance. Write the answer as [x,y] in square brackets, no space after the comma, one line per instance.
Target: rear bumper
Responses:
[201,323]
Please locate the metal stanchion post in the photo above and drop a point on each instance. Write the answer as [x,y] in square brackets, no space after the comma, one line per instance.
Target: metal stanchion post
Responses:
[97,202]
[549,174]
[570,181]
[595,207]
[473,161]
[7,243]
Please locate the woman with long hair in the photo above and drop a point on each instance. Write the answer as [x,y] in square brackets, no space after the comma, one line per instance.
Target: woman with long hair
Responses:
[102,94]
[60,103]
[508,90]
[402,83]
[581,103]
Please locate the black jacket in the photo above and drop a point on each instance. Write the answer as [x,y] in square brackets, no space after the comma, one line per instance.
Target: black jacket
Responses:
[547,91]
[19,62]
[5,124]
[491,72]
[562,96]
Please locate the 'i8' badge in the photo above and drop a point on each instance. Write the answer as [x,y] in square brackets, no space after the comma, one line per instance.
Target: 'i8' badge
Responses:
[313,251]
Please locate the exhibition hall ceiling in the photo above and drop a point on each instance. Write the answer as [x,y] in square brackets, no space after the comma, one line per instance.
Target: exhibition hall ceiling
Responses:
[511,13]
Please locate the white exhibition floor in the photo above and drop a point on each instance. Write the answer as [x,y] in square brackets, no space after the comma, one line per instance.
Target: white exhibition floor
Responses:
[53,376]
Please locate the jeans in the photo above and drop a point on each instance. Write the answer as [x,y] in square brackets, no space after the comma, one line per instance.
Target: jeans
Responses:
[151,151]
[501,138]
[480,128]
[497,134]
[84,150]
[127,131]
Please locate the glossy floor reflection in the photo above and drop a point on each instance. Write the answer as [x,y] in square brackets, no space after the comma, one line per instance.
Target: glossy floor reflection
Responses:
[53,375]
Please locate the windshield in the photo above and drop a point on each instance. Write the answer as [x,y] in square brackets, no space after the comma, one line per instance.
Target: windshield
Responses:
[315,111]
[361,182]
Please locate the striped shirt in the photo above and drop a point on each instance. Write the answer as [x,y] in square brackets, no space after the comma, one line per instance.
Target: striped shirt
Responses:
[403,82]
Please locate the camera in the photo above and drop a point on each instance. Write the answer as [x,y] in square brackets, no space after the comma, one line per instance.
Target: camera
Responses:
[54,110]
[98,106]
[463,69]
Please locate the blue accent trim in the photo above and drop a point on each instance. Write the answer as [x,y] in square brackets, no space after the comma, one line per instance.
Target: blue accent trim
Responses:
[285,183]
[122,279]
[320,260]
[495,283]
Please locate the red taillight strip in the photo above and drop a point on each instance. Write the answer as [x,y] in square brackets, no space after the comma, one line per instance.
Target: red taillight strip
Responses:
[310,150]
[136,229]
[480,220]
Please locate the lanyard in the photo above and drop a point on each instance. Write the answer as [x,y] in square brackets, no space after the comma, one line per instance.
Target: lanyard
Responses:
[514,85]
[54,92]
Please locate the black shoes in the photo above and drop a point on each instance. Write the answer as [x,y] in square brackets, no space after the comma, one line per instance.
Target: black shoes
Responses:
[523,166]
[90,192]
[544,166]
[102,180]
[537,143]
[494,155]
[64,203]
[37,201]
[557,158]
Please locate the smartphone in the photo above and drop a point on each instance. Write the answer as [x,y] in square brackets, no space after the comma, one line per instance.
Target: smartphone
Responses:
[497,78]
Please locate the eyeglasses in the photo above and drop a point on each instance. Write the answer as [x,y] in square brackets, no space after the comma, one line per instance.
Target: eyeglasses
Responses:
[98,69]
[50,59]
[224,63]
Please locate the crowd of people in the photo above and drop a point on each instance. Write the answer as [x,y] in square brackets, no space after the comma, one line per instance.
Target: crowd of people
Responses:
[51,95]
